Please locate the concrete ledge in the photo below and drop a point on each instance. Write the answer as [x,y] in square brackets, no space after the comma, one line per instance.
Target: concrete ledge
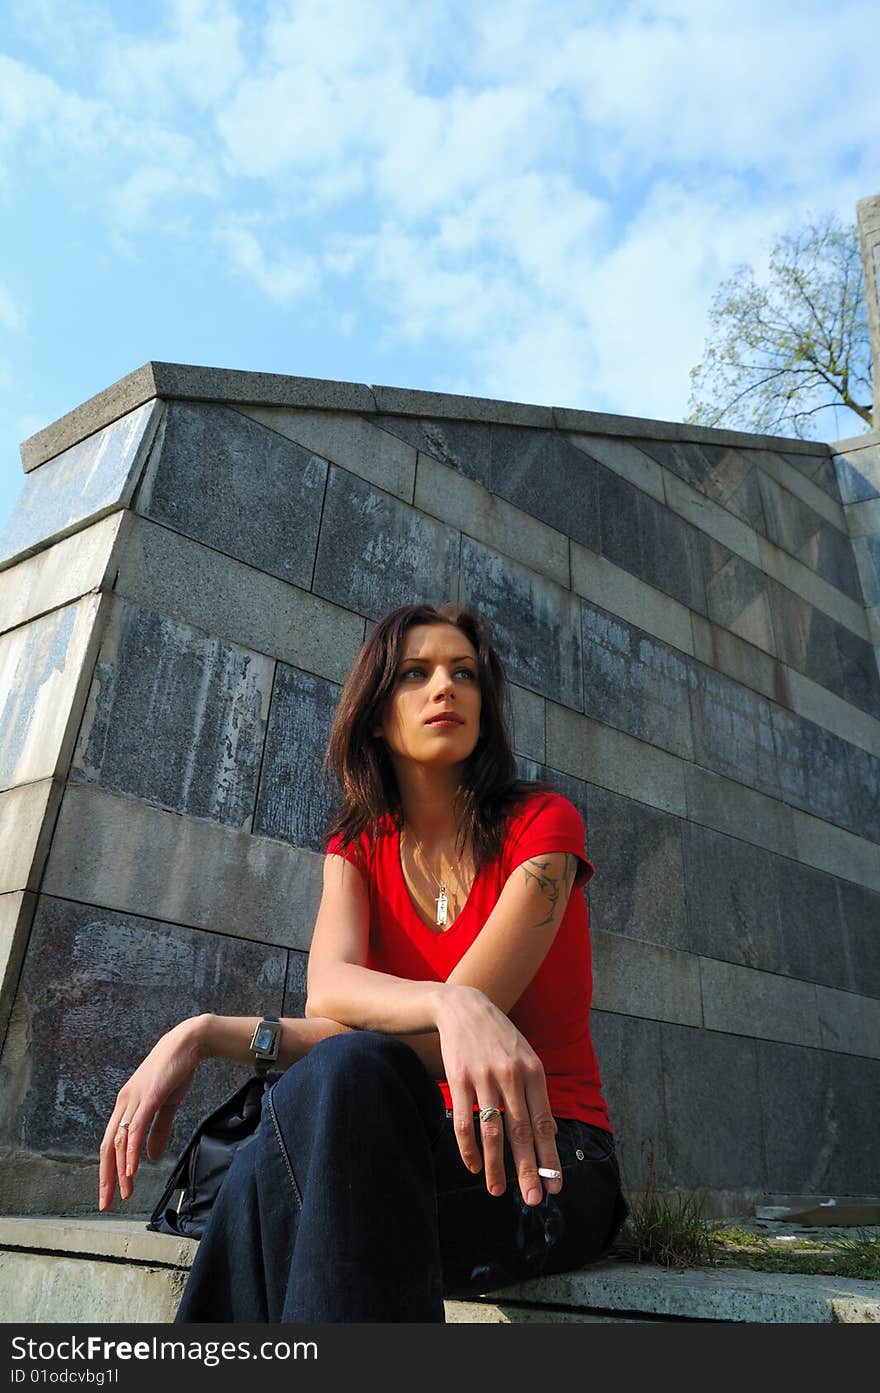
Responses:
[110,1269]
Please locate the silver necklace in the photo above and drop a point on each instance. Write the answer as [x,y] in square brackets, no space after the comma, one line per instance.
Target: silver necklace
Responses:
[442,899]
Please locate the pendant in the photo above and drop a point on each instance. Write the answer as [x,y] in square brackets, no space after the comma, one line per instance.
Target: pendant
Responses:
[441,905]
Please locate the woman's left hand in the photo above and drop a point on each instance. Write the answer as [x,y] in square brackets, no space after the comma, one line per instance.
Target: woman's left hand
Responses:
[489,1062]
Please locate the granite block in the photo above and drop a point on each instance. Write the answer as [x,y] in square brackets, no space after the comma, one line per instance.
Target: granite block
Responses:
[535,624]
[806,638]
[123,854]
[825,477]
[459,502]
[464,446]
[857,662]
[858,473]
[623,594]
[527,723]
[621,528]
[859,917]
[814,946]
[94,477]
[743,1001]
[17,910]
[43,668]
[628,1050]
[295,985]
[685,458]
[796,527]
[374,553]
[86,967]
[834,849]
[733,905]
[634,978]
[737,597]
[866,551]
[601,755]
[175,717]
[408,402]
[293,801]
[710,518]
[815,703]
[732,731]
[626,459]
[674,554]
[727,653]
[62,573]
[27,815]
[817,774]
[639,886]
[200,587]
[863,782]
[248,492]
[733,482]
[347,440]
[744,812]
[806,582]
[542,473]
[848,1023]
[635,683]
[714,1122]
[804,484]
[819,1137]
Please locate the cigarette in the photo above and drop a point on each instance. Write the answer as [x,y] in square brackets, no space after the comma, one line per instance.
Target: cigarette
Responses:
[549,1174]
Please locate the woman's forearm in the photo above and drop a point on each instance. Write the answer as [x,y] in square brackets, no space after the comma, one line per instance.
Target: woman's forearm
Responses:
[370,1000]
[229,1037]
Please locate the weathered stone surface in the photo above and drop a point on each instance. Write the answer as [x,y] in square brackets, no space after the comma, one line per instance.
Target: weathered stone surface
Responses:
[62,573]
[743,1001]
[527,723]
[27,813]
[246,491]
[407,402]
[639,887]
[806,638]
[38,1288]
[859,917]
[796,527]
[176,718]
[44,667]
[714,1113]
[642,536]
[732,899]
[621,593]
[91,478]
[732,730]
[742,812]
[815,703]
[374,553]
[635,683]
[834,849]
[684,458]
[737,597]
[804,481]
[295,987]
[727,653]
[459,502]
[825,775]
[807,583]
[712,519]
[867,554]
[613,760]
[16,915]
[535,624]
[626,459]
[818,1135]
[109,967]
[858,472]
[542,473]
[198,586]
[630,1063]
[293,802]
[346,440]
[733,482]
[635,978]
[125,854]
[465,446]
[849,1023]
[858,671]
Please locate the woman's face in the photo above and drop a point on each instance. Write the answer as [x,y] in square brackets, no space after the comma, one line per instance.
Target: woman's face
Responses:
[437,676]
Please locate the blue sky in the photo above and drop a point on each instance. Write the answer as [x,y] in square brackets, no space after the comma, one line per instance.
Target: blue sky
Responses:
[527,199]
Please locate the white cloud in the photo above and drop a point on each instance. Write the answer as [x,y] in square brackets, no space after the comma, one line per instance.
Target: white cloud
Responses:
[197,62]
[283,278]
[10,315]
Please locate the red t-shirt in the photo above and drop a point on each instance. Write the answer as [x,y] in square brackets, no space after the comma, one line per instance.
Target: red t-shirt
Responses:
[553,1012]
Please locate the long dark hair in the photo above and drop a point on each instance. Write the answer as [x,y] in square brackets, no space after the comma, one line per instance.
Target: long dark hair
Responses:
[490,787]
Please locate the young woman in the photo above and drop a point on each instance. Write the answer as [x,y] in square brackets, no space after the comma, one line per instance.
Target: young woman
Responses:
[439,1129]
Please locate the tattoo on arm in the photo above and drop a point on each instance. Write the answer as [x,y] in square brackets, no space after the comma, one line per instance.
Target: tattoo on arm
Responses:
[551,886]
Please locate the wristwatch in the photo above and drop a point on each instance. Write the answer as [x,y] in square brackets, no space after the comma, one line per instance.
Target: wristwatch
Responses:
[265,1044]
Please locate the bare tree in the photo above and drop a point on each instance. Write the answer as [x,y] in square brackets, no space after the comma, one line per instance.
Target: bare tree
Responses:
[782,351]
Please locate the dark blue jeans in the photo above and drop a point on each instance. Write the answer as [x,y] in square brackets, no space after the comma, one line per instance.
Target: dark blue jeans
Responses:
[353,1204]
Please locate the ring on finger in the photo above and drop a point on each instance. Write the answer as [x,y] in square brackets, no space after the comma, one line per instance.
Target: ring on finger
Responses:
[486,1114]
[123,1125]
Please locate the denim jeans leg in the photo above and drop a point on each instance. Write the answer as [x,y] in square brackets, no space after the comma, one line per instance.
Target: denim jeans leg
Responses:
[330,1214]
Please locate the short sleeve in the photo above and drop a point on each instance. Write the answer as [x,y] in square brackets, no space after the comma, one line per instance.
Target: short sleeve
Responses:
[548,822]
[355,853]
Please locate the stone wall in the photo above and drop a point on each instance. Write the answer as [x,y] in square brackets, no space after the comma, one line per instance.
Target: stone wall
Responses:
[686,618]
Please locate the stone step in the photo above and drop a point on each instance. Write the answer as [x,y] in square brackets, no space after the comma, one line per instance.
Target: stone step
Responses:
[76,1270]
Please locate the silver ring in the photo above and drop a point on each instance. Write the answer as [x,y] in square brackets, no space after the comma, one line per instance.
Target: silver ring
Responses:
[124,1124]
[486,1114]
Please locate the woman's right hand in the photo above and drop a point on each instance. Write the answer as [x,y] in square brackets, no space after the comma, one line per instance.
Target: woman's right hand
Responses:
[147,1103]
[489,1062]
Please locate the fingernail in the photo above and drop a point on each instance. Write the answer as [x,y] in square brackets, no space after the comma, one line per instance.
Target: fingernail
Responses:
[534,1196]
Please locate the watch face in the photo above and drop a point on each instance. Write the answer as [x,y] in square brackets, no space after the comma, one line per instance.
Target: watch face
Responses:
[264,1037]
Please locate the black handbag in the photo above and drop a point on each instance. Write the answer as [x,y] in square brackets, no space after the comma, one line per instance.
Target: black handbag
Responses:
[201,1167]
